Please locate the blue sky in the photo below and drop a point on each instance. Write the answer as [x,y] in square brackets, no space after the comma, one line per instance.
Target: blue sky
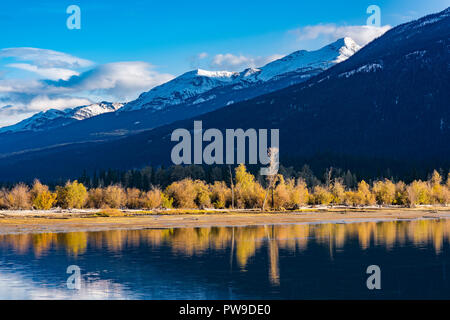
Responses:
[127,47]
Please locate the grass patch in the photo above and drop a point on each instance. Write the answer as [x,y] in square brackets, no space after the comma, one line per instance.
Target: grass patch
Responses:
[190,211]
[111,213]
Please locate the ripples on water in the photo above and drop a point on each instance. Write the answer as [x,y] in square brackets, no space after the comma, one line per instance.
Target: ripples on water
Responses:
[303,261]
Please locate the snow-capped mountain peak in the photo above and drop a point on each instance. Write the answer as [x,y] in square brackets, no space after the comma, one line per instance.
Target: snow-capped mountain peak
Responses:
[85,112]
[181,88]
[321,59]
[52,118]
[194,83]
[346,47]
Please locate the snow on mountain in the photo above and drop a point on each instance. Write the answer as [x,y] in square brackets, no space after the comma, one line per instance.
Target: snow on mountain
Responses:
[181,88]
[322,59]
[194,83]
[85,112]
[55,118]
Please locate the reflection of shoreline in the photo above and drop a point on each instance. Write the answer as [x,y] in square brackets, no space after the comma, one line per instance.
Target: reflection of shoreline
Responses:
[74,223]
[242,242]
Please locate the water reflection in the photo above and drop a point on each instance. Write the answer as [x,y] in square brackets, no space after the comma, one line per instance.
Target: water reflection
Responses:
[236,245]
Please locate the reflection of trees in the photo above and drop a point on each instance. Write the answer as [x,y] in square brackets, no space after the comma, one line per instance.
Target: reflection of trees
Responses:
[274,272]
[243,242]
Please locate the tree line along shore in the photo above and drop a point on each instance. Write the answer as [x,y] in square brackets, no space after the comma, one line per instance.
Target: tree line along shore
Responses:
[243,191]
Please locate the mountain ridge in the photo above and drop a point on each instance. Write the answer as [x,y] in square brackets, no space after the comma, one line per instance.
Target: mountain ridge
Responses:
[47,119]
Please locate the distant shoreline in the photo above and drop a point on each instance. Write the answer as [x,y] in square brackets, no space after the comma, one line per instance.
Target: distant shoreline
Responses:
[19,222]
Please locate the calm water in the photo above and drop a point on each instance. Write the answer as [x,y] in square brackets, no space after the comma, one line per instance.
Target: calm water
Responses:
[266,262]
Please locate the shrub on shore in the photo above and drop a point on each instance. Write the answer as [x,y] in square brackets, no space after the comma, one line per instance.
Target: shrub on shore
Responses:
[72,195]
[41,197]
[135,199]
[18,198]
[321,196]
[418,193]
[220,195]
[384,192]
[246,191]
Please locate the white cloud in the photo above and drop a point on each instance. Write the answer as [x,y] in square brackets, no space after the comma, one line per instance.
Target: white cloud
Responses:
[361,34]
[233,62]
[41,103]
[45,58]
[18,86]
[47,73]
[61,84]
[121,80]
[19,110]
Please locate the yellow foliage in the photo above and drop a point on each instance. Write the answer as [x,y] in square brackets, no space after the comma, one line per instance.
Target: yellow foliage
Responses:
[3,201]
[114,197]
[282,194]
[72,195]
[220,195]
[95,199]
[166,201]
[153,199]
[41,197]
[418,193]
[384,191]
[365,195]
[338,192]
[321,196]
[249,194]
[401,194]
[44,200]
[19,198]
[299,194]
[183,193]
[202,194]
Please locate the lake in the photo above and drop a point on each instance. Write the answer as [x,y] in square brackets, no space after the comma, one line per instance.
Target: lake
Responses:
[296,261]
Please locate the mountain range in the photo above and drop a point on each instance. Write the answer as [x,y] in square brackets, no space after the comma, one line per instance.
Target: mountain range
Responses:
[384,105]
[54,118]
[191,94]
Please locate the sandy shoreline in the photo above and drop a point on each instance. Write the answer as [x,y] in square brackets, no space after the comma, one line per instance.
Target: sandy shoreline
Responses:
[82,220]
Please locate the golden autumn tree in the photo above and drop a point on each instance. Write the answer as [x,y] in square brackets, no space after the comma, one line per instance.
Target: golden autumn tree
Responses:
[41,197]
[183,193]
[220,194]
[19,197]
[321,196]
[437,190]
[384,192]
[401,194]
[249,194]
[72,195]
[299,193]
[282,193]
[202,194]
[114,197]
[418,193]
[337,189]
[365,194]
